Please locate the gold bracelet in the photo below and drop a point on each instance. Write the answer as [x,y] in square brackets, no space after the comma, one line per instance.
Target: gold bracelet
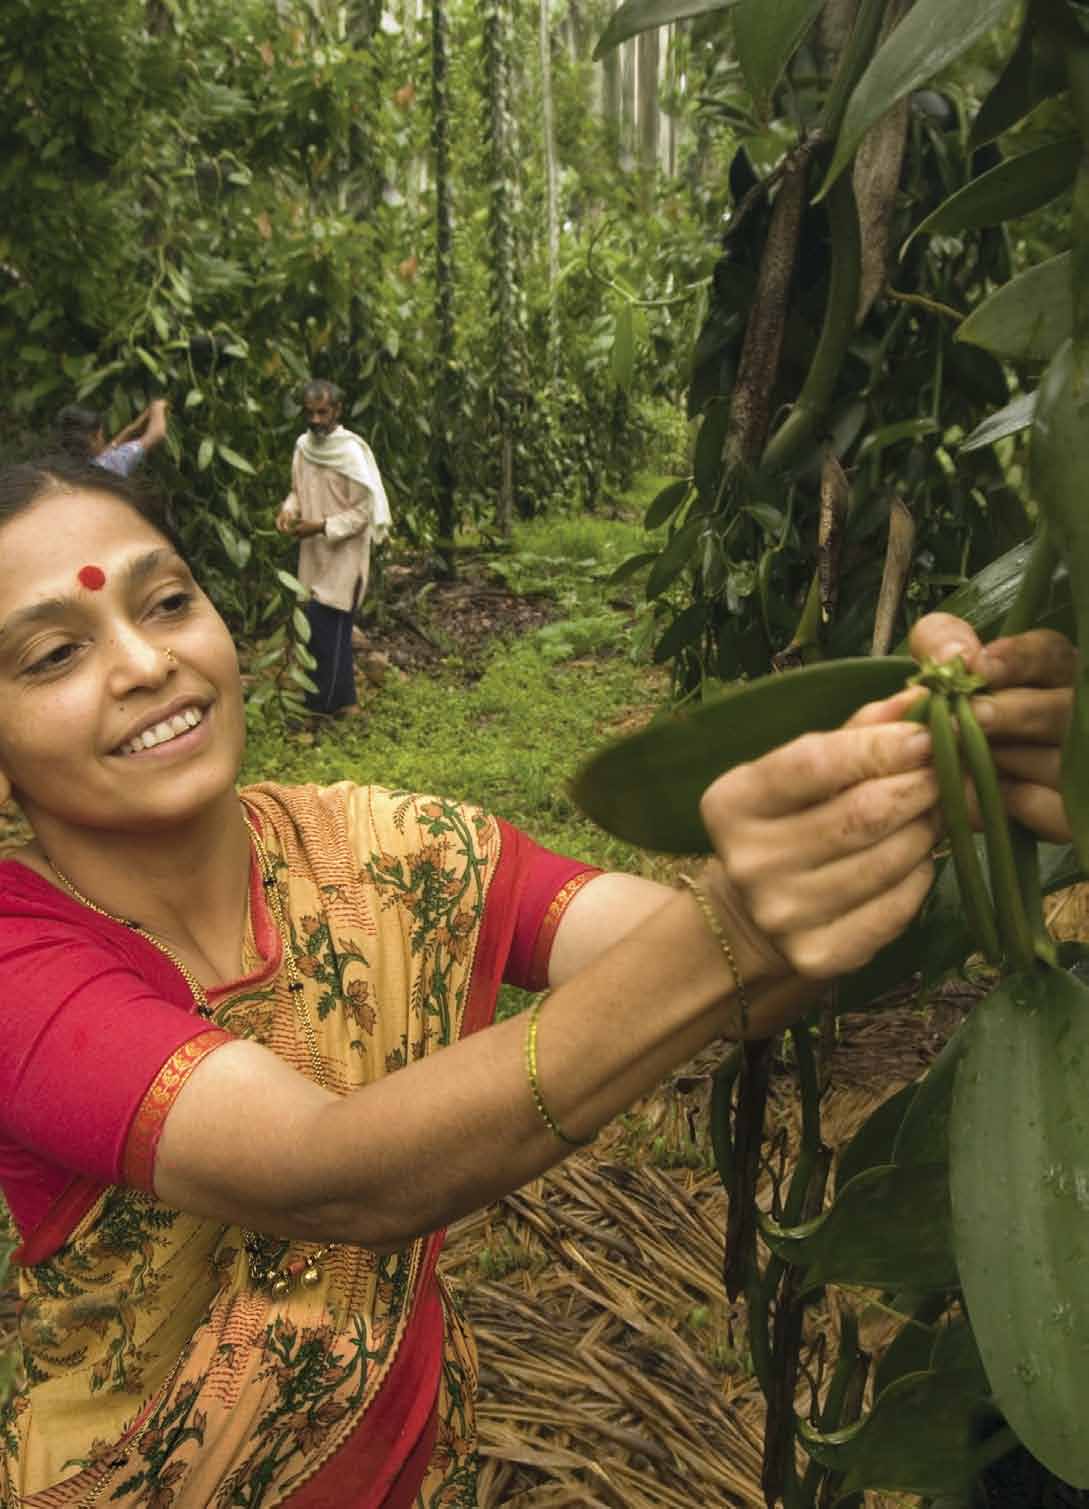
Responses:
[534,1084]
[718,932]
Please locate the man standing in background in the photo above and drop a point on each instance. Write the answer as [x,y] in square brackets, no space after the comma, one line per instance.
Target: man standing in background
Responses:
[337,509]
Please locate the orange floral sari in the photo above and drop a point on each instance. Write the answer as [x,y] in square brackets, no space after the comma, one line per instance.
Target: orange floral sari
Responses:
[156,1375]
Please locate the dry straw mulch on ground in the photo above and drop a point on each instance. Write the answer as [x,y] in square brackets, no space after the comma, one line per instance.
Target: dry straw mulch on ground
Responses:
[613,1367]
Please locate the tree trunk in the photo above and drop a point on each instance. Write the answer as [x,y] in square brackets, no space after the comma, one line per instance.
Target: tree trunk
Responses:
[611,98]
[833,28]
[649,54]
[628,103]
[501,225]
[877,180]
[445,395]
[552,212]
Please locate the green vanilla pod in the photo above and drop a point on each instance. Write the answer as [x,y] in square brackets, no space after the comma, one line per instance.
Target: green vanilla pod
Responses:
[1026,860]
[1016,935]
[978,910]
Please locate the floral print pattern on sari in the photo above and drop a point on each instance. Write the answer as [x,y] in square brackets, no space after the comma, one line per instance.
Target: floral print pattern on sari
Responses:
[156,1375]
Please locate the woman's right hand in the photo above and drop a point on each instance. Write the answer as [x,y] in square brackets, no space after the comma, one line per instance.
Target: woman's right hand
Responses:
[824,844]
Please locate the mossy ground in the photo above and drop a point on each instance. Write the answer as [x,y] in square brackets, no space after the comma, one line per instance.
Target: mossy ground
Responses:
[510,734]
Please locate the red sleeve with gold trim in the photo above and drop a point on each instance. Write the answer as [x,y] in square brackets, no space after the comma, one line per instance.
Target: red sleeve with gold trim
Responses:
[551,882]
[97,1033]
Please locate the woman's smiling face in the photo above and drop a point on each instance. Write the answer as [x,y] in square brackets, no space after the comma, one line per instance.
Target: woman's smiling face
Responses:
[100,727]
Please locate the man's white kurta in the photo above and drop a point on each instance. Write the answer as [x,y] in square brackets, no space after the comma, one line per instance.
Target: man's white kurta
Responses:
[336,483]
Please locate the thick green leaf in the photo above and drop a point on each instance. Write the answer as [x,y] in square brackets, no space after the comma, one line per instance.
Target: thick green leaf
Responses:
[666,504]
[923,1137]
[646,788]
[1059,867]
[300,678]
[635,16]
[892,434]
[922,1436]
[888,1228]
[674,558]
[293,584]
[707,461]
[236,545]
[984,601]
[956,1350]
[1014,417]
[1028,318]
[1020,1189]
[633,564]
[926,41]
[1015,187]
[767,32]
[911,1348]
[205,453]
[232,458]
[685,629]
[1033,73]
[872,1144]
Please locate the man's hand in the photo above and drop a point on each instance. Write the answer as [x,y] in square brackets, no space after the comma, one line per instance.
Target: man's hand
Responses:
[302,529]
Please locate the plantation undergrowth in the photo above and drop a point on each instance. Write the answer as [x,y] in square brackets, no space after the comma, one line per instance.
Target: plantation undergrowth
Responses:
[511,738]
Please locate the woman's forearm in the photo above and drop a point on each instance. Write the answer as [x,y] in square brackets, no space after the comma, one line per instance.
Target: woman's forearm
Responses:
[456,1130]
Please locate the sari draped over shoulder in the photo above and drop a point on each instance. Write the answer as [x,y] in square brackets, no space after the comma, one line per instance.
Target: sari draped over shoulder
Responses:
[156,1374]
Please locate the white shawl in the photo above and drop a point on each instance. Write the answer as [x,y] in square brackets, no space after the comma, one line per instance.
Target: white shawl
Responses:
[350,455]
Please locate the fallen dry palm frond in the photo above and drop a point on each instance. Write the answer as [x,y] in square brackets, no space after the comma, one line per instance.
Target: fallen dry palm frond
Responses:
[613,1369]
[594,1390]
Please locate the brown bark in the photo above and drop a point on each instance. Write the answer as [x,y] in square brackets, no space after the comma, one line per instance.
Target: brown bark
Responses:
[877,180]
[894,578]
[750,403]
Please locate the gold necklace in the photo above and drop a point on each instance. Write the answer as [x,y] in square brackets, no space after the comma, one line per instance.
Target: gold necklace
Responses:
[265,1270]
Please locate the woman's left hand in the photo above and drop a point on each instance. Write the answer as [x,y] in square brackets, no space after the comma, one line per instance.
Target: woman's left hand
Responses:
[1024,713]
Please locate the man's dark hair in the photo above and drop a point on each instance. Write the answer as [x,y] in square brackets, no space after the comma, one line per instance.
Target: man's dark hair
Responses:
[321,387]
[76,428]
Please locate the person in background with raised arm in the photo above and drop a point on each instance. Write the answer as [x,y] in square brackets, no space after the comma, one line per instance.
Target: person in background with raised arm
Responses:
[81,434]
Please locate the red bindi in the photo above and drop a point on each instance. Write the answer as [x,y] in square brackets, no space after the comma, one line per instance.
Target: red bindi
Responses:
[91,577]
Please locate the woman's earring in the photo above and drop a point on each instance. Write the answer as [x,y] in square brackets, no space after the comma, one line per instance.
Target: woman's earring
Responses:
[171,656]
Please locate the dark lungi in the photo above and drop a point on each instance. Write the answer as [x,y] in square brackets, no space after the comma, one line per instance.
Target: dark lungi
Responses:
[331,647]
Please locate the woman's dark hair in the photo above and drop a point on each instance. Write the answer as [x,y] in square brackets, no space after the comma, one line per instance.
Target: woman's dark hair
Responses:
[27,482]
[76,428]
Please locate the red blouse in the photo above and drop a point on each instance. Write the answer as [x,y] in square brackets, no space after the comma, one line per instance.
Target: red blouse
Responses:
[95,1019]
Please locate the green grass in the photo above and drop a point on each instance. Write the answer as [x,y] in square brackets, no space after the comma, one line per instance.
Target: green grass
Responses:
[512,740]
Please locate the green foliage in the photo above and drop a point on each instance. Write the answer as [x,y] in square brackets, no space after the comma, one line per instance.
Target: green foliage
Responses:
[963,1192]
[893,399]
[510,740]
[214,207]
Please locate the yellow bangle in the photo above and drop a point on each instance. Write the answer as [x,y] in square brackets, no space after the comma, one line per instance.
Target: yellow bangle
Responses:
[718,932]
[534,1083]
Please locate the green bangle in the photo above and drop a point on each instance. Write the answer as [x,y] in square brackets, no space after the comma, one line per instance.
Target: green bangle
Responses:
[534,1084]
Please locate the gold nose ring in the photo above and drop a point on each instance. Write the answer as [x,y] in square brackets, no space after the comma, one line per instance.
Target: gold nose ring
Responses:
[171,656]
